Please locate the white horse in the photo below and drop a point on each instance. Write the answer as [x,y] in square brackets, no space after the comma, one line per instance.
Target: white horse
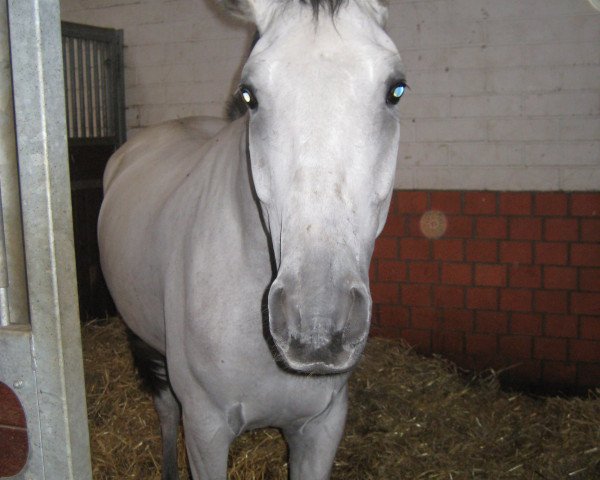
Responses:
[239,253]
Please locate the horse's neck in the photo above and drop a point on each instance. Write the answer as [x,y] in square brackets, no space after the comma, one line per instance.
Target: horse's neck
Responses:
[232,166]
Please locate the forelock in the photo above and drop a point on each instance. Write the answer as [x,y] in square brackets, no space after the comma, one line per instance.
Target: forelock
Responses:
[331,6]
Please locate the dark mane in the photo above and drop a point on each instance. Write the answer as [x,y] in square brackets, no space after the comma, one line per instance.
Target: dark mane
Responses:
[240,8]
[331,5]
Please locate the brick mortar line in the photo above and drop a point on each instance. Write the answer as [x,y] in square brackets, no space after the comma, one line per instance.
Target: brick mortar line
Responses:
[13,427]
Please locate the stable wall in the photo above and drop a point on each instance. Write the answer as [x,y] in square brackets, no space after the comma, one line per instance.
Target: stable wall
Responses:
[514,281]
[505,96]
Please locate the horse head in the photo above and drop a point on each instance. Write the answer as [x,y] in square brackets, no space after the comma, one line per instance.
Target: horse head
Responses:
[321,86]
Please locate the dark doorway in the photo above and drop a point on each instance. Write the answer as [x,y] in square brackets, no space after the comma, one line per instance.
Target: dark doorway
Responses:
[95,104]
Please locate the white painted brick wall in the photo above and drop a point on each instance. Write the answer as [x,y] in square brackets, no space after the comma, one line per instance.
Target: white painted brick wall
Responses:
[505,94]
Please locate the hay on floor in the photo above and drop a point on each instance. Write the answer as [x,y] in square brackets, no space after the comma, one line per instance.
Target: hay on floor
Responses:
[410,418]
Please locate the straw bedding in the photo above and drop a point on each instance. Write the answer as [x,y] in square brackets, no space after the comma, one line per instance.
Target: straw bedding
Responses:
[410,418]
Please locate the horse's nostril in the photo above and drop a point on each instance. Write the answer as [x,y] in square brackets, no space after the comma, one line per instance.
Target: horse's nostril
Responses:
[359,295]
[357,323]
[278,313]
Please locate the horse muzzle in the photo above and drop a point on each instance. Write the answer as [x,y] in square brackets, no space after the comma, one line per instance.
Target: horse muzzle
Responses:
[319,331]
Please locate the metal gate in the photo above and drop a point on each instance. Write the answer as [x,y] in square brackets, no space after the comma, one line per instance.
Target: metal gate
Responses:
[41,367]
[95,106]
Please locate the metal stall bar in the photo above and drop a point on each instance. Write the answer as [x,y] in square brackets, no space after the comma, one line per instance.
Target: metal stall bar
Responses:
[95,85]
[66,82]
[119,81]
[80,90]
[97,102]
[43,361]
[89,90]
[102,92]
[74,132]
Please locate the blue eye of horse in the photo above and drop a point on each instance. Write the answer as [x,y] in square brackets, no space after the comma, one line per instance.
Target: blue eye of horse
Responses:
[398,91]
[395,93]
[248,97]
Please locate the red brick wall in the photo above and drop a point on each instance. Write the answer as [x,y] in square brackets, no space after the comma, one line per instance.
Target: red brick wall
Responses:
[513,281]
[13,433]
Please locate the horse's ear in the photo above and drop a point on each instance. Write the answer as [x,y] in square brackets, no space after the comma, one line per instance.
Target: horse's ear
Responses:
[238,8]
[379,8]
[249,10]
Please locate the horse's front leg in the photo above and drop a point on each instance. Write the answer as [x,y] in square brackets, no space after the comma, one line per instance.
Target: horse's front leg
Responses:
[207,440]
[169,414]
[314,444]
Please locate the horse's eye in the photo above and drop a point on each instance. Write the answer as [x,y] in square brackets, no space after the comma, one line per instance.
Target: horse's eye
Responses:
[395,93]
[248,97]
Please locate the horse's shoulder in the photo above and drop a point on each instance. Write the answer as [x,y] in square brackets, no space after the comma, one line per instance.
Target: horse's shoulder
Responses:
[197,129]
[203,127]
[167,136]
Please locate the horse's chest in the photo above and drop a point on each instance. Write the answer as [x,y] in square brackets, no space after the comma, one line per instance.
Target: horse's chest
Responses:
[284,402]
[252,391]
